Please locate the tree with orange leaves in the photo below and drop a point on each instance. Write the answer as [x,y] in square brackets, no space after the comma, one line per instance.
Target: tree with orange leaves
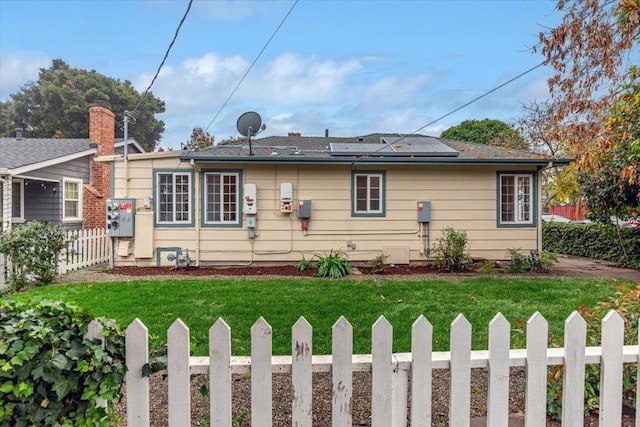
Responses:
[594,89]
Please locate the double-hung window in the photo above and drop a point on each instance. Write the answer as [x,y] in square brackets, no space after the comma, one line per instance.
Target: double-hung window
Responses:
[222,198]
[516,199]
[71,199]
[173,198]
[368,193]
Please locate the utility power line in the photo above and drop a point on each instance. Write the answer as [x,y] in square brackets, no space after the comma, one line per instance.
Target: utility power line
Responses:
[251,66]
[166,54]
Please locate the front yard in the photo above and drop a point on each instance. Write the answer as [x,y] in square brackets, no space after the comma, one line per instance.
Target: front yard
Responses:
[322,301]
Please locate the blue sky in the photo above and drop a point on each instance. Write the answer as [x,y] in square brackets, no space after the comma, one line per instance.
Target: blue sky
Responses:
[353,67]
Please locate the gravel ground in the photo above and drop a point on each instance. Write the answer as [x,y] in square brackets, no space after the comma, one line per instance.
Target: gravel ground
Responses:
[361,404]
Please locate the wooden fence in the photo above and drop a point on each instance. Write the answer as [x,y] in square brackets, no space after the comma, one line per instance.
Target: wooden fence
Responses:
[86,248]
[390,372]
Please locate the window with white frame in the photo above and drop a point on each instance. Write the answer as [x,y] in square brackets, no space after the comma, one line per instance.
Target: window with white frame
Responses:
[173,196]
[71,199]
[368,193]
[516,199]
[222,198]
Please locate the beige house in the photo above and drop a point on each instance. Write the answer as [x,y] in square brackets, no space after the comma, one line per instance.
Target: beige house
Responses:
[279,199]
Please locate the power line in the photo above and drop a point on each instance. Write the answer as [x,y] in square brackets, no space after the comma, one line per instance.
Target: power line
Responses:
[251,66]
[477,98]
[166,54]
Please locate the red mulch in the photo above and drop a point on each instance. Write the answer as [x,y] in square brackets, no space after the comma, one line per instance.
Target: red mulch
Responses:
[279,270]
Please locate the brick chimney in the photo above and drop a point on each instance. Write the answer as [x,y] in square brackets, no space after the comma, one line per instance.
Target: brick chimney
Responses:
[102,133]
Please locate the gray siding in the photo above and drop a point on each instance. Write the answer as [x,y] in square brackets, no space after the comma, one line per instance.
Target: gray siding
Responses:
[77,168]
[42,201]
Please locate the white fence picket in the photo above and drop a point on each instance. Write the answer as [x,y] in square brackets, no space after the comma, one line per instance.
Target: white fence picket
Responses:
[536,363]
[421,371]
[261,388]
[301,351]
[381,371]
[460,400]
[389,372]
[612,342]
[498,394]
[178,375]
[342,350]
[137,355]
[220,374]
[86,248]
[575,338]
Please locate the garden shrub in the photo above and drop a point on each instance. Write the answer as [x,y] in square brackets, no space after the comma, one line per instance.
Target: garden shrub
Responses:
[335,264]
[450,250]
[379,264]
[33,250]
[626,302]
[534,261]
[50,375]
[595,240]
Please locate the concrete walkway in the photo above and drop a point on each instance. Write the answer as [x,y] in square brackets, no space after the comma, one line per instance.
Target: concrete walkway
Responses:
[587,267]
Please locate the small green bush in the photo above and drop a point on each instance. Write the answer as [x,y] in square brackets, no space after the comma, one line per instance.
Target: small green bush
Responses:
[534,261]
[33,250]
[379,264]
[50,375]
[335,264]
[450,250]
[305,264]
[626,302]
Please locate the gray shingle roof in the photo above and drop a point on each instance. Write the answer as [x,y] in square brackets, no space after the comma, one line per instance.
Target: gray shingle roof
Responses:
[27,151]
[299,149]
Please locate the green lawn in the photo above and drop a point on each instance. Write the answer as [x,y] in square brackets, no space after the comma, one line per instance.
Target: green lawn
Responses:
[282,301]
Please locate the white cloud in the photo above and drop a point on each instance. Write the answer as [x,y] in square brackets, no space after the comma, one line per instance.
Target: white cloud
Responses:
[308,94]
[18,69]
[232,10]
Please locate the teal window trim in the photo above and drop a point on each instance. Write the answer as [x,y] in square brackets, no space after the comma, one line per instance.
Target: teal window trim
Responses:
[156,199]
[382,211]
[533,202]
[203,194]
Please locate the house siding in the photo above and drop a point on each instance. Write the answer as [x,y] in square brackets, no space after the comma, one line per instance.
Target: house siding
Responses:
[463,197]
[43,199]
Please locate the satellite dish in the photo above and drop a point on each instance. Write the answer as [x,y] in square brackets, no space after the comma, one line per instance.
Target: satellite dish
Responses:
[249,123]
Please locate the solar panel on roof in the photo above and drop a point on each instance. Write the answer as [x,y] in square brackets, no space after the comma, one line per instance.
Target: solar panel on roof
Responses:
[395,146]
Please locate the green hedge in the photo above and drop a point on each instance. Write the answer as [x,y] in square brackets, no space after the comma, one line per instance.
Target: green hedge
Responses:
[600,241]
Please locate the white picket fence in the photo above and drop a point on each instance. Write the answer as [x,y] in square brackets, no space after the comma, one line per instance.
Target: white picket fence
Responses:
[86,248]
[390,372]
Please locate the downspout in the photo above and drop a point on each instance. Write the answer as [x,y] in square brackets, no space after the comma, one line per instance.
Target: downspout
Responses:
[198,201]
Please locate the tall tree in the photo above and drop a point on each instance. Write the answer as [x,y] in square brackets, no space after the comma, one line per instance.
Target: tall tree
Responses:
[487,131]
[593,89]
[57,105]
[199,140]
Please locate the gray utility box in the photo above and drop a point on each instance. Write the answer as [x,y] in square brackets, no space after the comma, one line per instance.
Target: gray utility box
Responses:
[120,217]
[424,211]
[304,209]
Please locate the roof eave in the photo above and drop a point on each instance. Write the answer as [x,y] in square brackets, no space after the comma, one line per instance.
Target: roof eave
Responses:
[52,162]
[376,160]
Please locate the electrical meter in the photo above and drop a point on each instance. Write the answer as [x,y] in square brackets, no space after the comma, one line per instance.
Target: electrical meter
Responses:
[120,217]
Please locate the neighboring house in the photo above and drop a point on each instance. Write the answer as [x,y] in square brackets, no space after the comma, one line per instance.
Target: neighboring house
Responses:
[284,198]
[58,180]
